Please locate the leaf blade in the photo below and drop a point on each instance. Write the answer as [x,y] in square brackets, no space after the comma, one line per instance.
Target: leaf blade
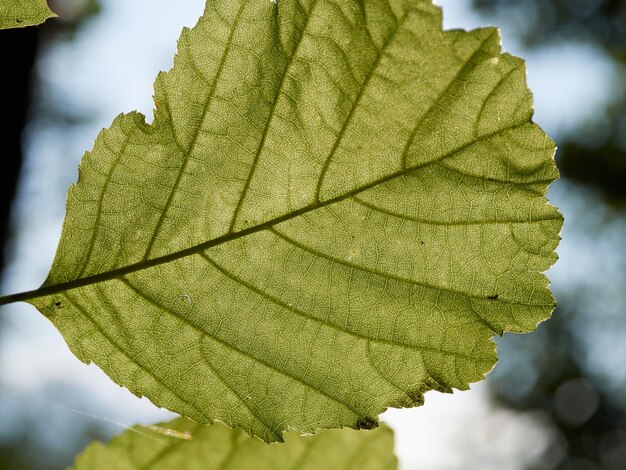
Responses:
[275,262]
[181,443]
[22,13]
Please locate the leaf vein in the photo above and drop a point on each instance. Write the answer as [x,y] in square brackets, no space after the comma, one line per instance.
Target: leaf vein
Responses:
[247,354]
[232,389]
[436,102]
[334,326]
[449,223]
[132,360]
[391,276]
[270,117]
[197,131]
[101,197]
[353,108]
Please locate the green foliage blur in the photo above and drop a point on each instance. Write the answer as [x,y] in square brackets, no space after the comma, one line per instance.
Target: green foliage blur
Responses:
[585,409]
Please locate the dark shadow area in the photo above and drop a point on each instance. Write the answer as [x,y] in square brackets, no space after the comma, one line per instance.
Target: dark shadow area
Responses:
[35,434]
[19,48]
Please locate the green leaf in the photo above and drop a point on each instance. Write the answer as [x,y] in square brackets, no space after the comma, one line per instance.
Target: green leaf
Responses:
[21,13]
[183,444]
[336,207]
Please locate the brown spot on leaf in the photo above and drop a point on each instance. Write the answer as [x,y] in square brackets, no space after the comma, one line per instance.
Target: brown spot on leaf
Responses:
[366,423]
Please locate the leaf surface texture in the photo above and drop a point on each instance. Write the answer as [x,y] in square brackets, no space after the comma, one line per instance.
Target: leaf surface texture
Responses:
[21,13]
[183,444]
[334,209]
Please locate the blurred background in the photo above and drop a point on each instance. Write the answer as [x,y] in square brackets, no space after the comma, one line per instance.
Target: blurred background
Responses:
[557,398]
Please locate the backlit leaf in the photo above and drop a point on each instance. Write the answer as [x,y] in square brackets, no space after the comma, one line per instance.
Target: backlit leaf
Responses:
[20,13]
[335,208]
[183,444]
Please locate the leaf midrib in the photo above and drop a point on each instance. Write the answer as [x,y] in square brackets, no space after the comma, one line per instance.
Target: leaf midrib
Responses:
[189,151]
[269,121]
[46,290]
